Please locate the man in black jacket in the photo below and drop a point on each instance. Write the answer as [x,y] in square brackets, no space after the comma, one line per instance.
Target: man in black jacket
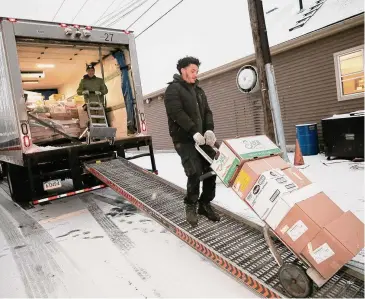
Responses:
[190,122]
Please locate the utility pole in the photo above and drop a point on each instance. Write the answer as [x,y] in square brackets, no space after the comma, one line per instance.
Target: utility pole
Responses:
[270,100]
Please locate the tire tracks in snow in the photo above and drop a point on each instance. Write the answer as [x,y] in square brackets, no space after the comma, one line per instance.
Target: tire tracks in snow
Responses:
[39,271]
[120,240]
[45,268]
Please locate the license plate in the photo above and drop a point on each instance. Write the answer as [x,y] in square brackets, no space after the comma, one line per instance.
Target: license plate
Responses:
[50,185]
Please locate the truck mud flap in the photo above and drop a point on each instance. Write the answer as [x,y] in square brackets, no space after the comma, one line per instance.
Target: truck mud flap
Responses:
[235,247]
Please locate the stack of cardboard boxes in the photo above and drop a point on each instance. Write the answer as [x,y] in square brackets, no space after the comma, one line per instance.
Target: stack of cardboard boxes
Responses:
[66,115]
[296,209]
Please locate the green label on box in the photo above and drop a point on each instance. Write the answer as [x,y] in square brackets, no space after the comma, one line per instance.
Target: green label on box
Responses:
[260,154]
[231,171]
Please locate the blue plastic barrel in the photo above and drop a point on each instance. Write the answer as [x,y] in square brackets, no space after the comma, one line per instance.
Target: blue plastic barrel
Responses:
[307,135]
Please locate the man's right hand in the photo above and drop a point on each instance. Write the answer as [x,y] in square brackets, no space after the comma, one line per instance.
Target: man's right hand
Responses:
[199,139]
[85,92]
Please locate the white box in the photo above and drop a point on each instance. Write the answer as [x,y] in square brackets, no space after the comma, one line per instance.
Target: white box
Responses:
[301,194]
[270,186]
[248,148]
[278,212]
[226,165]
[233,152]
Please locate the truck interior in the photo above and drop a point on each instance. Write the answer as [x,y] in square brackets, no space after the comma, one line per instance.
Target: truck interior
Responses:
[51,73]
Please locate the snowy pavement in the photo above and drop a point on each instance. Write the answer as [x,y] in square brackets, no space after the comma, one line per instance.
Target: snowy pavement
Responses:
[83,246]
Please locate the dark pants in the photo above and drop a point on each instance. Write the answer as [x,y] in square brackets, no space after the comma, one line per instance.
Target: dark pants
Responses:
[194,166]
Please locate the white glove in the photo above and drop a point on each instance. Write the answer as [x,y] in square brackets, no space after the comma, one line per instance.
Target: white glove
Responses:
[85,92]
[98,93]
[210,138]
[199,139]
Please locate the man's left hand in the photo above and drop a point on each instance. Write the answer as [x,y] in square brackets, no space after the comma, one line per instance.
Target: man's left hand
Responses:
[98,93]
[210,138]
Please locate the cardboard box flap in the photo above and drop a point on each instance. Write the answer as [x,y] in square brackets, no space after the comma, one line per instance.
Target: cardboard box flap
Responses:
[349,230]
[321,209]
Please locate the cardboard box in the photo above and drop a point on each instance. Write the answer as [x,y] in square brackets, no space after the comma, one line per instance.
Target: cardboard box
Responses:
[321,209]
[306,218]
[297,177]
[234,152]
[226,165]
[301,194]
[349,230]
[57,97]
[83,117]
[326,254]
[297,229]
[270,186]
[277,214]
[79,100]
[250,171]
[248,148]
[61,115]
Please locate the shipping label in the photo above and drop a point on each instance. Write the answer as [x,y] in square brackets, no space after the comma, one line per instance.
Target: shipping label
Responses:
[320,254]
[297,230]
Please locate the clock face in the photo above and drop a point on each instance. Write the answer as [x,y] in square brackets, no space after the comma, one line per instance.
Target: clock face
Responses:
[247,79]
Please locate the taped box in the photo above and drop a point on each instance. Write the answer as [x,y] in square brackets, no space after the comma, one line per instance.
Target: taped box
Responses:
[336,244]
[307,216]
[234,152]
[269,188]
[250,171]
[326,254]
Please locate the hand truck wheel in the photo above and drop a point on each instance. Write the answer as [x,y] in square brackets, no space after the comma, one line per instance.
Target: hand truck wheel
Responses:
[295,280]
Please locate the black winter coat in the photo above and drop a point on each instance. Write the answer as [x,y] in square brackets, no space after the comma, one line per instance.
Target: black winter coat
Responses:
[187,110]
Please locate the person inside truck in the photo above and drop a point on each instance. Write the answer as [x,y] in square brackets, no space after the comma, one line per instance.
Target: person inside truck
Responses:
[190,122]
[90,84]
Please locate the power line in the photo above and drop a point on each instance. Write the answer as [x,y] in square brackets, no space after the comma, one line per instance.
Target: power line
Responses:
[142,15]
[105,11]
[116,14]
[121,8]
[79,10]
[63,2]
[159,18]
[103,15]
[127,13]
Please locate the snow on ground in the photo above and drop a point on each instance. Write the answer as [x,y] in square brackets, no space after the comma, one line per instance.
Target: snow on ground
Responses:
[100,250]
[341,180]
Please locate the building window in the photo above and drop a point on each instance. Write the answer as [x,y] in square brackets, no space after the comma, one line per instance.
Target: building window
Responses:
[349,67]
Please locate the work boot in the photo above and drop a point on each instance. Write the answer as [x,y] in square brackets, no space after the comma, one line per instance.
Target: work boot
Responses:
[191,215]
[206,210]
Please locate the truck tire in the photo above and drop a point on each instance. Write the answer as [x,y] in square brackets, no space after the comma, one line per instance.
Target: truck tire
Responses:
[19,184]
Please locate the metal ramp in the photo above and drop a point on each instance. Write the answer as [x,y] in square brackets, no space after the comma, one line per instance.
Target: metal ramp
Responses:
[234,246]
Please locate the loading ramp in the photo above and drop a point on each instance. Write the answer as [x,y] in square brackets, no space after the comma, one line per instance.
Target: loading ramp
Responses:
[234,246]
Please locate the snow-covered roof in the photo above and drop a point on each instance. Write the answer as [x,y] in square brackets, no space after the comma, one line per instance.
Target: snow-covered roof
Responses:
[221,34]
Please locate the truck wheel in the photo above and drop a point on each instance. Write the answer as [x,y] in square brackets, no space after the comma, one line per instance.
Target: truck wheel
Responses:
[19,184]
[295,281]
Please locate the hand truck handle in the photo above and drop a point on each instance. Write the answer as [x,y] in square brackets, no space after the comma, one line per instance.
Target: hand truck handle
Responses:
[205,155]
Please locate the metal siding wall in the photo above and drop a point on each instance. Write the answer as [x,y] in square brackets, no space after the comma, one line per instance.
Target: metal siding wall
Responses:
[306,81]
[235,113]
[306,85]
[156,120]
